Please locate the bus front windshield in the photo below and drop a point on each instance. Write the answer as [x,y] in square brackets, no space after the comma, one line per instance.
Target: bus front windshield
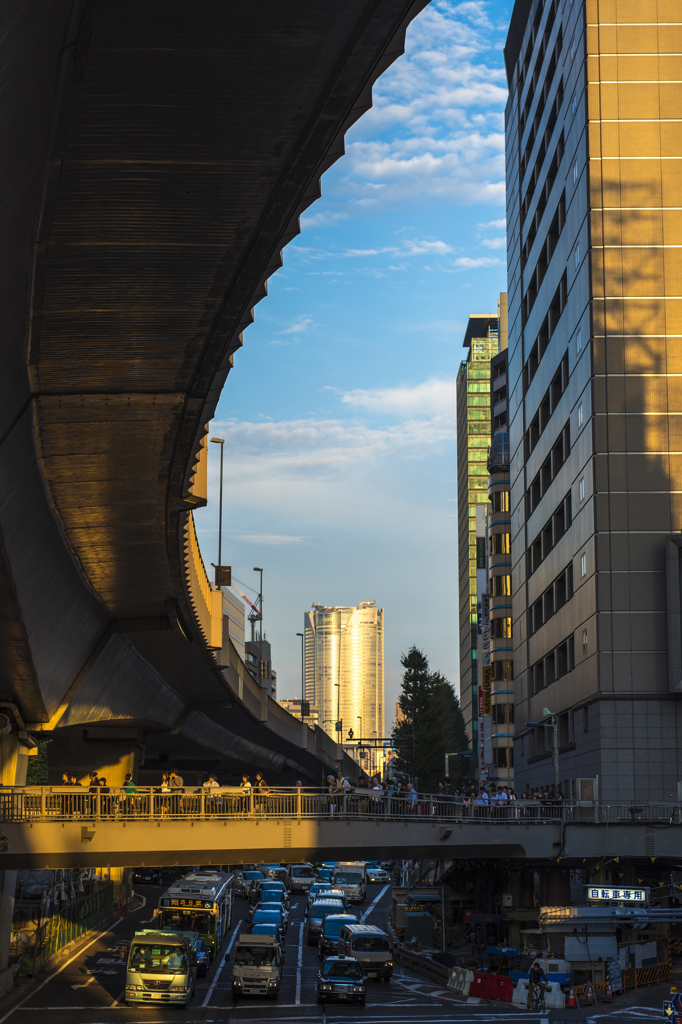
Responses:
[255,956]
[347,878]
[188,921]
[158,958]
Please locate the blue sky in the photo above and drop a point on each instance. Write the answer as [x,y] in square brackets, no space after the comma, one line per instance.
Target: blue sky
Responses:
[339,415]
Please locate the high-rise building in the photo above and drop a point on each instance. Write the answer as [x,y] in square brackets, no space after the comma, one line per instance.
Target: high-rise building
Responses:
[344,668]
[294,706]
[473,439]
[594,222]
[501,668]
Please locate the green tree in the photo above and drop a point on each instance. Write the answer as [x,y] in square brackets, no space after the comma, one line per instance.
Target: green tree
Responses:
[430,705]
[36,772]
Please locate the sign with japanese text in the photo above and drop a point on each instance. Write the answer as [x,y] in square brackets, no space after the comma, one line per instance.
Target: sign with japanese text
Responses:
[195,904]
[486,689]
[623,894]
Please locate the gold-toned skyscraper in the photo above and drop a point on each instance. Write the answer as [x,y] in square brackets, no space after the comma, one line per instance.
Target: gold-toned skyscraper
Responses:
[594,228]
[344,668]
[473,440]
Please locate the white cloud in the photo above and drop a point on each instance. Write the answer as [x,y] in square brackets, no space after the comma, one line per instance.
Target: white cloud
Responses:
[436,128]
[501,223]
[481,261]
[300,324]
[494,243]
[433,397]
[322,219]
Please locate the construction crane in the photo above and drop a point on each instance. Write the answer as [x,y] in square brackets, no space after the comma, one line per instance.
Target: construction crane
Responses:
[255,615]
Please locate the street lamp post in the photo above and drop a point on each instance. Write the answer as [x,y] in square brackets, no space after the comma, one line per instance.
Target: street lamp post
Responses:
[554,722]
[260,636]
[555,746]
[302,636]
[218,572]
[339,723]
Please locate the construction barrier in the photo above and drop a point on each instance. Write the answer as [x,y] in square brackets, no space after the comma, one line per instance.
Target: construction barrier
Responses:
[637,977]
[479,986]
[500,988]
[460,980]
[555,998]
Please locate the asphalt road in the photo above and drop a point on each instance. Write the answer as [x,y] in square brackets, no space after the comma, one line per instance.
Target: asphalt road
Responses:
[88,988]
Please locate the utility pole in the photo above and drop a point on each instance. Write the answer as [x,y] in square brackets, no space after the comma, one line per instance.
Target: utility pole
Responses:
[260,635]
[555,746]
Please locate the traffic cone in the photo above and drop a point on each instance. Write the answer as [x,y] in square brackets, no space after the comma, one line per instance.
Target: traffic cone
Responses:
[609,993]
[572,1002]
[590,997]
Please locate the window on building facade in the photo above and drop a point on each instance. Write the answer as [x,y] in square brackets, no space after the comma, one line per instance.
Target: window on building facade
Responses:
[581,489]
[583,565]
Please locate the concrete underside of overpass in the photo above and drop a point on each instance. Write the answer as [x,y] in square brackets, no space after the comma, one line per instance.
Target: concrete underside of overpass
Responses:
[130,843]
[156,158]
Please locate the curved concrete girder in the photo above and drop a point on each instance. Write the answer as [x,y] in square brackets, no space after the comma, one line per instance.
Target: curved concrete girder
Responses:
[158,157]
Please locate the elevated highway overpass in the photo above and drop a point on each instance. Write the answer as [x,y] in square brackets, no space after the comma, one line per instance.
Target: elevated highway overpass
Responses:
[53,828]
[156,159]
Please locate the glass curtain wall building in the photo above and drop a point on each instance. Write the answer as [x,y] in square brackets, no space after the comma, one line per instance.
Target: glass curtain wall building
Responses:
[594,226]
[473,439]
[499,564]
[344,668]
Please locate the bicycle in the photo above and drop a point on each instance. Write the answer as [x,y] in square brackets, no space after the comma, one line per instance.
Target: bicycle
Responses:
[537,999]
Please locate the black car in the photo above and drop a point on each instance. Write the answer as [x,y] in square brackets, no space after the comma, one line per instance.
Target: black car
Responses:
[316,915]
[341,980]
[147,876]
[329,937]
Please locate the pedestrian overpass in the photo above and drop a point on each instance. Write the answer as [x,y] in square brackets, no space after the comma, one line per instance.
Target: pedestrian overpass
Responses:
[50,827]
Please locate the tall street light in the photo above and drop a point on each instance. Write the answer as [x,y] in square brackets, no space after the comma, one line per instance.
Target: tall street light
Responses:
[302,636]
[260,605]
[554,719]
[219,567]
[554,722]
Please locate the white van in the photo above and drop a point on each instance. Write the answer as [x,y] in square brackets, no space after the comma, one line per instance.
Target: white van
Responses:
[257,966]
[370,946]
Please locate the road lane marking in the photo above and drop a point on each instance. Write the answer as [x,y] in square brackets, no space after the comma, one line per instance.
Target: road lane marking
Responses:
[60,969]
[372,905]
[84,984]
[299,966]
[222,964]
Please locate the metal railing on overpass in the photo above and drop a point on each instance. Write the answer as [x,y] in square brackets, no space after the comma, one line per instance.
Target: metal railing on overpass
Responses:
[65,803]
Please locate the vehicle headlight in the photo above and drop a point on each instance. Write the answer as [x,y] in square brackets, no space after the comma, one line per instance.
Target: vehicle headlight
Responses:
[273,984]
[327,988]
[133,988]
[236,984]
[357,988]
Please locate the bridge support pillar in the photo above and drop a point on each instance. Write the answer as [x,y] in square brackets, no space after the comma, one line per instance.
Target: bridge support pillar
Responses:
[555,887]
[13,765]
[523,898]
[110,752]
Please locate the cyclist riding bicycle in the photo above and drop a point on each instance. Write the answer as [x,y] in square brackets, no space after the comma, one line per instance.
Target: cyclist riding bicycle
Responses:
[536,979]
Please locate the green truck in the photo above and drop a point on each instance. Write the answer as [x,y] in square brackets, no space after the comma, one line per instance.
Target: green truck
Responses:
[162,967]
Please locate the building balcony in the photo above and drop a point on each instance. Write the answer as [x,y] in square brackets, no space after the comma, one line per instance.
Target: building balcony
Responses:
[501,520]
[499,457]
